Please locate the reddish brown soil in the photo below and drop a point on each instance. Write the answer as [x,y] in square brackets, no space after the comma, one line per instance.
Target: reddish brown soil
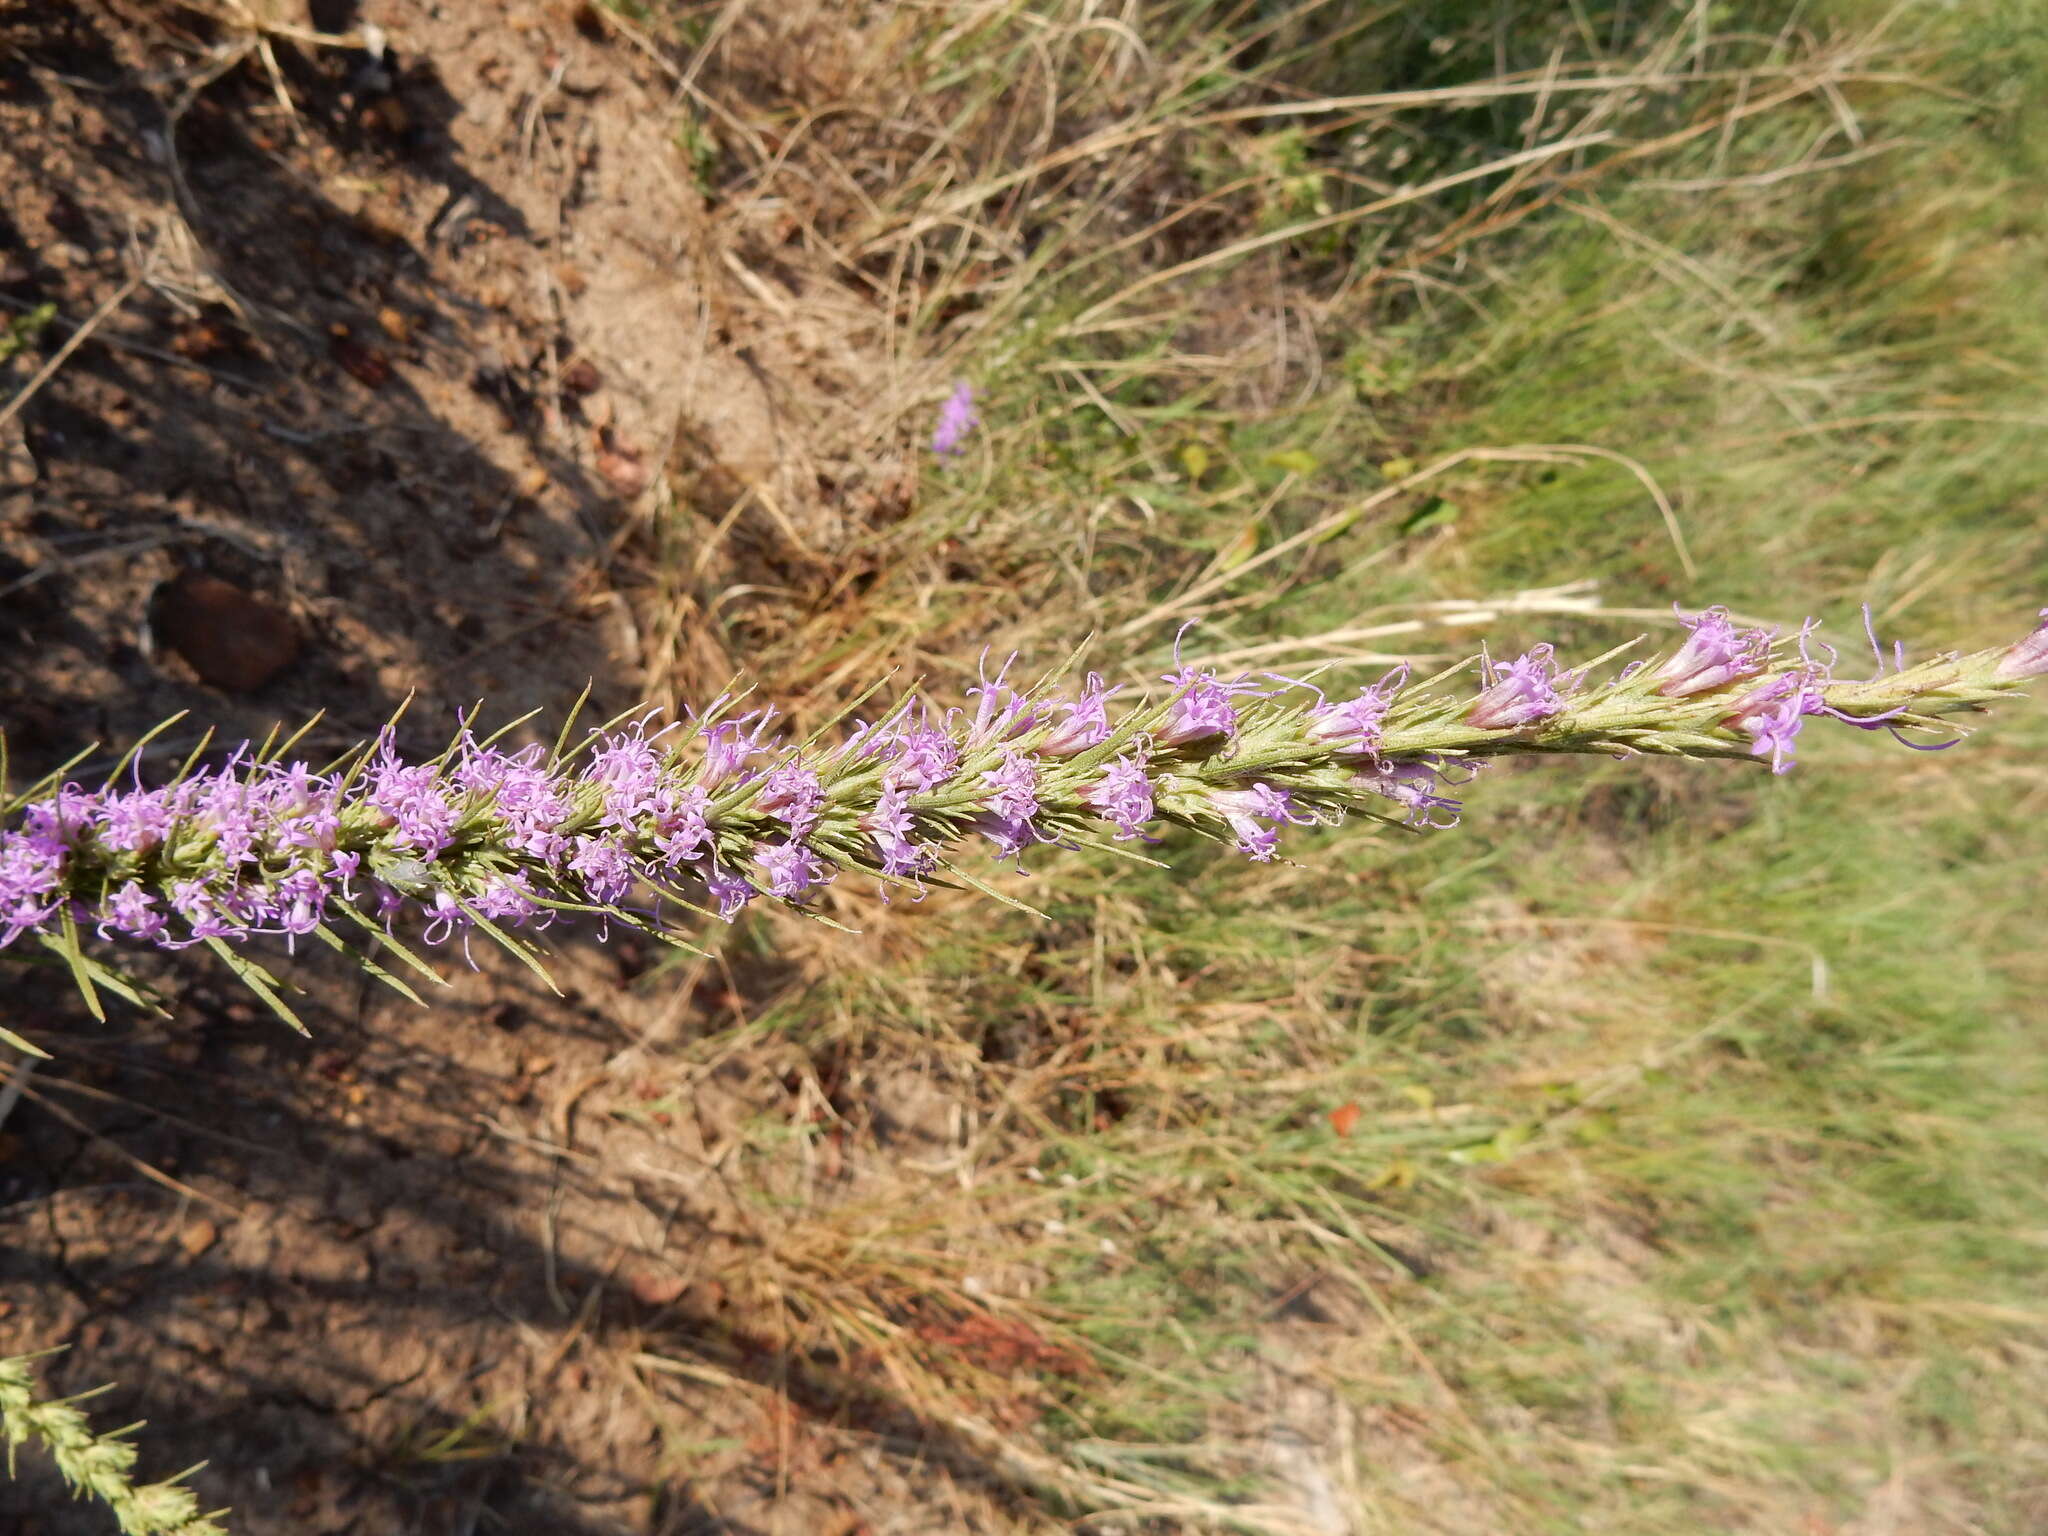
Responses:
[380,418]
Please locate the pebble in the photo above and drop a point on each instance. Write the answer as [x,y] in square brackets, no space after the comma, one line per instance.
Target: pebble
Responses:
[233,639]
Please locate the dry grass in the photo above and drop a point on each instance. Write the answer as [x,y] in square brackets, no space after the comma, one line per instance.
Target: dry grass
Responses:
[1352,1193]
[1648,1157]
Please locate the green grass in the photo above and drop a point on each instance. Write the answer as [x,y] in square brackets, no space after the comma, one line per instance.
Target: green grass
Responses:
[1695,1178]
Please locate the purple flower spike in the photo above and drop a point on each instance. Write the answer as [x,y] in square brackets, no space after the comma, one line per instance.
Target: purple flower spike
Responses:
[957,418]
[1123,795]
[2029,658]
[1714,655]
[1521,693]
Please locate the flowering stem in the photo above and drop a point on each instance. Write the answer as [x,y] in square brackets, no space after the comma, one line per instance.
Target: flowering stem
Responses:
[639,822]
[102,1464]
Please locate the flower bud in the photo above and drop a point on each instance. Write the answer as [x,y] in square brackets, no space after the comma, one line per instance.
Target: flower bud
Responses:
[2029,658]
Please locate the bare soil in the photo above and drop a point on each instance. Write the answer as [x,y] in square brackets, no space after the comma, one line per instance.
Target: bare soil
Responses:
[388,367]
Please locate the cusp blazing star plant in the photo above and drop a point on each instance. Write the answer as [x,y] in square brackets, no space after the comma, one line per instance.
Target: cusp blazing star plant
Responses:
[649,824]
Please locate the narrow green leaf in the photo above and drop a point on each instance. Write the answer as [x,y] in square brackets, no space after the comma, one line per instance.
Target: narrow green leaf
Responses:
[990,891]
[141,742]
[67,946]
[259,981]
[335,942]
[9,1037]
[363,921]
[524,951]
[106,977]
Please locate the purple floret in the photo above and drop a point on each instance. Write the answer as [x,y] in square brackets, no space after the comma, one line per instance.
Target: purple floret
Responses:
[1773,714]
[1123,796]
[793,795]
[2028,658]
[1417,786]
[1353,727]
[31,881]
[923,759]
[415,798]
[1521,693]
[131,912]
[1086,724]
[1714,655]
[892,827]
[731,891]
[1254,814]
[792,869]
[629,768]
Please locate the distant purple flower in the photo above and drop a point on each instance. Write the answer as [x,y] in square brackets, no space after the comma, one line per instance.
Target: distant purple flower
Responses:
[957,418]
[1714,655]
[1123,795]
[1087,722]
[2029,658]
[791,868]
[1521,693]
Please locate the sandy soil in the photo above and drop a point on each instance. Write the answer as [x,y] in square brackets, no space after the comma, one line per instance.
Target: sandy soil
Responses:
[380,363]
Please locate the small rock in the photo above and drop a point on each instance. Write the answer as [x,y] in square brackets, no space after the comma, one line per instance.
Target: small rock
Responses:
[197,1237]
[233,639]
[18,467]
[623,472]
[581,378]
[654,1287]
